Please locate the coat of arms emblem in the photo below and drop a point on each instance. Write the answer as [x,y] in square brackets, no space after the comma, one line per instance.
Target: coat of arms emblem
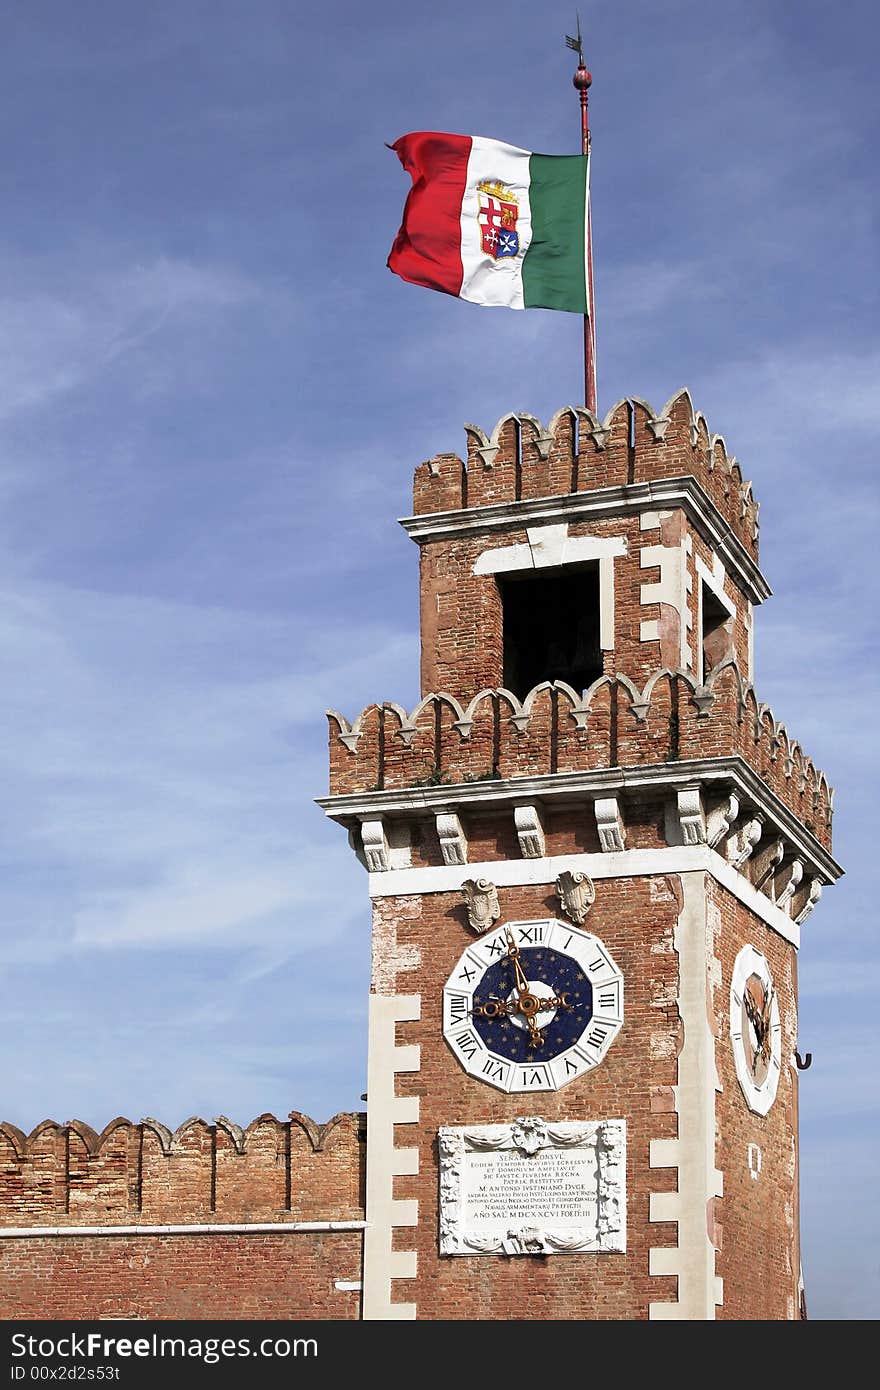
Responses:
[498,209]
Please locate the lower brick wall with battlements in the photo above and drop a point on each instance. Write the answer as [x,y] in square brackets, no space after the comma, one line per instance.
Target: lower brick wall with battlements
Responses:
[211,1221]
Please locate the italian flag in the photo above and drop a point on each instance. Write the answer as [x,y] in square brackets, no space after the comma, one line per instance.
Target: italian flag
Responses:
[495,224]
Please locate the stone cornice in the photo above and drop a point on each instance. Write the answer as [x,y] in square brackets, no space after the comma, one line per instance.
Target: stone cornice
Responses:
[685,492]
[724,774]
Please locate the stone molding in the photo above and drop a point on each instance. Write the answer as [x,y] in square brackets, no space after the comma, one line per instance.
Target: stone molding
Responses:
[228,1228]
[730,778]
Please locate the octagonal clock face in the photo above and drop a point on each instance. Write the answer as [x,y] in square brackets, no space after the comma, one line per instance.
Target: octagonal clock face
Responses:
[532,1005]
[755,1029]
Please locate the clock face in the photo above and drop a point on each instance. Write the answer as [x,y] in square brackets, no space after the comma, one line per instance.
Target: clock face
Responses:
[755,1029]
[532,1005]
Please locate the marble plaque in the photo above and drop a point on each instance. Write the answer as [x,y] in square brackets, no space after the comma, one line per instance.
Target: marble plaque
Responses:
[533,1187]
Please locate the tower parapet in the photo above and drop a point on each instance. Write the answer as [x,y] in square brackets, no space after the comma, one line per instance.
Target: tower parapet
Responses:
[577,452]
[641,527]
[590,768]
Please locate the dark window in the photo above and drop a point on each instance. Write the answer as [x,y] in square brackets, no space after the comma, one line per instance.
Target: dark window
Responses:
[717,635]
[551,628]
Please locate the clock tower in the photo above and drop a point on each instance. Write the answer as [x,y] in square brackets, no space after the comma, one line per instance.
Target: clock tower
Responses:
[590,851]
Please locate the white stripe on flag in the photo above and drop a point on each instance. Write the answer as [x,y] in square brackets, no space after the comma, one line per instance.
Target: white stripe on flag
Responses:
[487,280]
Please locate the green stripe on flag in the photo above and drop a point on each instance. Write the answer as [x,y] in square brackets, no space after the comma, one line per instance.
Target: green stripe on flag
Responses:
[553,272]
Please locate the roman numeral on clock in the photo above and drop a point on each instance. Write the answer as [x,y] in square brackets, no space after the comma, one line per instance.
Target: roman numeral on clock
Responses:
[533,1076]
[533,935]
[597,1035]
[468,1044]
[458,1008]
[494,1070]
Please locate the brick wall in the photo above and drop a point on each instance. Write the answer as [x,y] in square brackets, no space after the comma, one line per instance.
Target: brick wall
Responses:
[142,1175]
[759,1247]
[635,919]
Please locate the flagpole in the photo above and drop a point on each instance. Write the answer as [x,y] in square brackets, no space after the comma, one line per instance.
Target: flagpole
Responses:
[582,81]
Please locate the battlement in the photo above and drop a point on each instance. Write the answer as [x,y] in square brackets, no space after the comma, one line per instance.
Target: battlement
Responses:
[294,1169]
[578,452]
[554,730]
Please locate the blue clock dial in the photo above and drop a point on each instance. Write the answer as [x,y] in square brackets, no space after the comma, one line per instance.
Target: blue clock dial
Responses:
[533,1005]
[551,974]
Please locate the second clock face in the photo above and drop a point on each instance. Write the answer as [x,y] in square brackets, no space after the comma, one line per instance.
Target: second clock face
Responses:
[755,1029]
[531,1005]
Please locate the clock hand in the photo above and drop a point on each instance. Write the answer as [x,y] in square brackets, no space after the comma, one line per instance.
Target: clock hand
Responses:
[527,1004]
[522,983]
[767,1019]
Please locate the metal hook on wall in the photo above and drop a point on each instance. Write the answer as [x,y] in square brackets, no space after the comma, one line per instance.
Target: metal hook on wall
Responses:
[805,1062]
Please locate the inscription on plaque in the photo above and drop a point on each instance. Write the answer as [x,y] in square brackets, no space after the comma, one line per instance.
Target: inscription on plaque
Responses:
[534,1187]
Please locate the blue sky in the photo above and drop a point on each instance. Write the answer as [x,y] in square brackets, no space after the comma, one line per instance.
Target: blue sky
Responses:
[212,398]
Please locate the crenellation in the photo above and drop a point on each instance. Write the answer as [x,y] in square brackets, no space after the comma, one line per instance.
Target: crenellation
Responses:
[440,484]
[562,463]
[553,729]
[145,1173]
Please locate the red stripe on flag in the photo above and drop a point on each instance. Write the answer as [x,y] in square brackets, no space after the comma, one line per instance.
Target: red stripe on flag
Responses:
[427,249]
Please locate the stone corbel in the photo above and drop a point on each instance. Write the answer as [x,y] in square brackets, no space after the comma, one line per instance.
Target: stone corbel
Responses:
[791,877]
[453,844]
[744,841]
[354,841]
[813,897]
[720,819]
[612,835]
[530,832]
[375,843]
[691,817]
[766,864]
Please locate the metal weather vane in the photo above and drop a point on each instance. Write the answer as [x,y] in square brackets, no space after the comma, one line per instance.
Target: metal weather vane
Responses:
[576,44]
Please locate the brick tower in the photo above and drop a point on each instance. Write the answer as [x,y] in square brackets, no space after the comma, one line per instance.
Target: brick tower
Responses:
[591,850]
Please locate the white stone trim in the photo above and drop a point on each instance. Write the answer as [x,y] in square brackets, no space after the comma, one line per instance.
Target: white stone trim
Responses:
[606,603]
[692,1260]
[671,589]
[714,580]
[385,1110]
[604,502]
[627,863]
[233,1228]
[549,546]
